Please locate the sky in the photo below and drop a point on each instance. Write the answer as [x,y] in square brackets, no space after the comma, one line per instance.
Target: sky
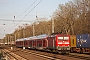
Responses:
[14,11]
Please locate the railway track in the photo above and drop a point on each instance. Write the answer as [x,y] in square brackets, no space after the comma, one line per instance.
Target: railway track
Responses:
[12,56]
[47,56]
[80,56]
[18,54]
[55,56]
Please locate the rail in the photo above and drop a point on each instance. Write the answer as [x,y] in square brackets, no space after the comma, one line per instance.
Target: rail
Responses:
[9,55]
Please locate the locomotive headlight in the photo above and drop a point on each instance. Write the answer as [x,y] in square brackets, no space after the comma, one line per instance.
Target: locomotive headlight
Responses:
[28,47]
[59,49]
[68,48]
[68,45]
[58,45]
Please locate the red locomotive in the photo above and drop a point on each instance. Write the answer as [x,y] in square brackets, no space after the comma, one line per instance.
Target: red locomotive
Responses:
[59,43]
[56,43]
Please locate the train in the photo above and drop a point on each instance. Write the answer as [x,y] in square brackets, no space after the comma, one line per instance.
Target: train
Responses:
[58,43]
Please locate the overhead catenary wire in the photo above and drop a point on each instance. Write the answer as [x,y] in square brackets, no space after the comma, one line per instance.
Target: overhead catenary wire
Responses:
[26,15]
[27,8]
[29,12]
[23,12]
[14,20]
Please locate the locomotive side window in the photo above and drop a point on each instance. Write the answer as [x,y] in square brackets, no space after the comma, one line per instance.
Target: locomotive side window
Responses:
[60,38]
[66,38]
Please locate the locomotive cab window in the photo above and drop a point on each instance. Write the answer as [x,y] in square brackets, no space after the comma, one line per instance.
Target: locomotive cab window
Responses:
[60,38]
[66,38]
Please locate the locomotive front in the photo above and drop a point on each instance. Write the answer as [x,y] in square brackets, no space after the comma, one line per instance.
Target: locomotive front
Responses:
[63,43]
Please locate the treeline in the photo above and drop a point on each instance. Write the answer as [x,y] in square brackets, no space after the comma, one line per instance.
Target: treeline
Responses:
[72,17]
